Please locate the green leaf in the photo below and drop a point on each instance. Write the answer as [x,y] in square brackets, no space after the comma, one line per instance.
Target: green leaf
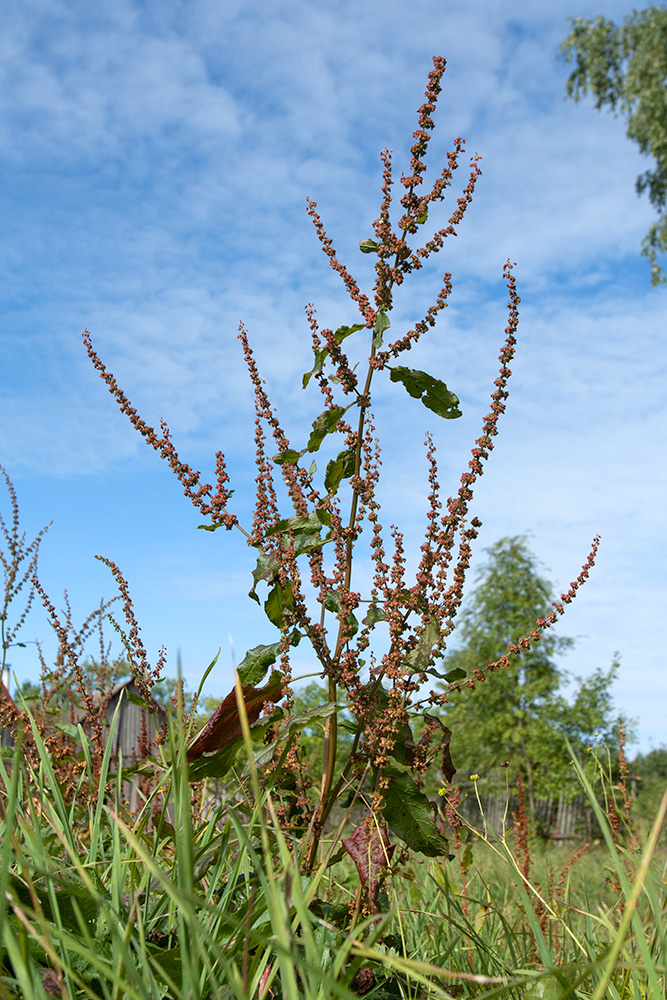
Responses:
[69,729]
[457,674]
[339,468]
[369,246]
[381,324]
[302,523]
[290,728]
[373,616]
[305,530]
[279,603]
[266,569]
[332,603]
[135,699]
[421,219]
[346,331]
[287,457]
[323,425]
[433,393]
[411,815]
[418,657]
[321,355]
[256,662]
[215,765]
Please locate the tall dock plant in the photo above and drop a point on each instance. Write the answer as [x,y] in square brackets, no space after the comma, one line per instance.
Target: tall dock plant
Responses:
[307,535]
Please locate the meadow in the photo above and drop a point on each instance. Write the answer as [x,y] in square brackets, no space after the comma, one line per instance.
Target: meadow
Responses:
[245,870]
[189,898]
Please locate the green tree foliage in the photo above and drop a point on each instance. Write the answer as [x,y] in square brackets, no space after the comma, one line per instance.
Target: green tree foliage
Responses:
[521,715]
[625,69]
[648,773]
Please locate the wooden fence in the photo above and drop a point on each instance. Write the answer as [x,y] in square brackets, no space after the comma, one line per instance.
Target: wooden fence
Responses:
[557,817]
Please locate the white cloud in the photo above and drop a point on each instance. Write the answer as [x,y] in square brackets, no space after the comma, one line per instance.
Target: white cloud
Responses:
[156,166]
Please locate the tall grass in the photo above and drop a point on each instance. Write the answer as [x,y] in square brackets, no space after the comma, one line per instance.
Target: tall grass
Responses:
[184,902]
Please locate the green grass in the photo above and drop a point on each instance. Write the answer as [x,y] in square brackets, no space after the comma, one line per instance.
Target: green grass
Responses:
[178,903]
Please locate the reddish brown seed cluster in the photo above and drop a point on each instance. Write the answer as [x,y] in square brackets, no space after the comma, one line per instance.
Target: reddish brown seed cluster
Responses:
[211,504]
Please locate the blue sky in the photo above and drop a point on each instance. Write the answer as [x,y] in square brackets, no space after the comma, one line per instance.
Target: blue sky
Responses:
[155,159]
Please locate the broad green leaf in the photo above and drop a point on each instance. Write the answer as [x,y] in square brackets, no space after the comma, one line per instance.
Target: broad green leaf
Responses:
[266,569]
[256,662]
[278,603]
[305,531]
[373,616]
[339,468]
[411,816]
[369,246]
[69,729]
[418,657]
[306,523]
[433,393]
[74,900]
[294,723]
[217,764]
[421,219]
[332,601]
[287,457]
[323,425]
[135,699]
[457,674]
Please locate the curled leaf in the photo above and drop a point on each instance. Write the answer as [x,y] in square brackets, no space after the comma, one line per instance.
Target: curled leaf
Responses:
[339,468]
[371,852]
[323,425]
[224,726]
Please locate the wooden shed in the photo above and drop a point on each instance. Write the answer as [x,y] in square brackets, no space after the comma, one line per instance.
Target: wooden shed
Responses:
[136,726]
